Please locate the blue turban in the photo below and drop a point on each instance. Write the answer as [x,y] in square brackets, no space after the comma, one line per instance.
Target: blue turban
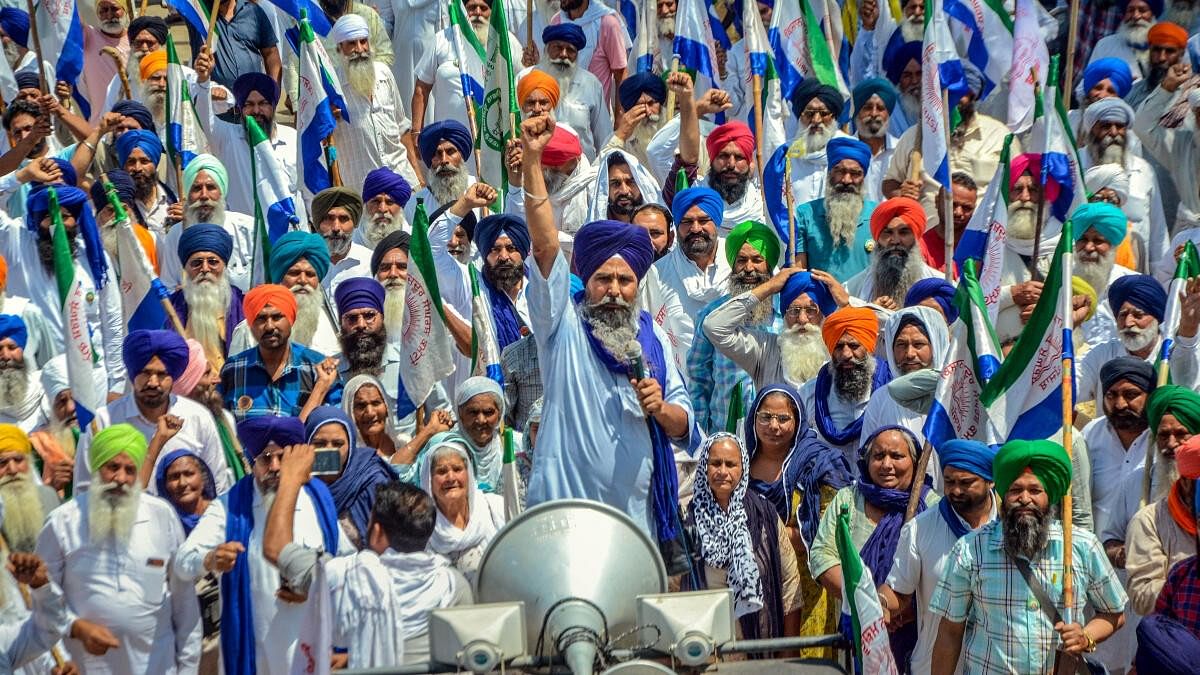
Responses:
[142,345]
[803,282]
[971,456]
[69,177]
[123,185]
[939,290]
[444,130]
[385,181]
[15,23]
[139,138]
[1165,645]
[600,240]
[1140,290]
[28,79]
[75,202]
[634,86]
[491,227]
[13,326]
[1133,370]
[705,197]
[296,245]
[1156,6]
[359,293]
[875,86]
[812,88]
[1112,69]
[897,55]
[256,433]
[1109,221]
[136,112]
[204,237]
[848,147]
[254,81]
[569,33]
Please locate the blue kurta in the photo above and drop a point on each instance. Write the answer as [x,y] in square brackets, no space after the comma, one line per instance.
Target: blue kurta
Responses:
[593,442]
[813,238]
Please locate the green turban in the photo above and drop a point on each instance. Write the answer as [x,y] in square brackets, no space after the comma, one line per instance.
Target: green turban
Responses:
[115,440]
[333,197]
[1047,459]
[1173,399]
[761,237]
[209,165]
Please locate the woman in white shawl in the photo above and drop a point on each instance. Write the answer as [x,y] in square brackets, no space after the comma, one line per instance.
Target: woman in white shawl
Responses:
[364,401]
[467,517]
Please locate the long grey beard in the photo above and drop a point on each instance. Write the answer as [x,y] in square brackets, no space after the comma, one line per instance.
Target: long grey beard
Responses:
[842,210]
[616,329]
[893,278]
[802,352]
[23,515]
[1025,536]
[1107,150]
[381,225]
[1166,472]
[762,311]
[111,516]
[14,385]
[1137,35]
[1136,339]
[1022,220]
[815,141]
[156,101]
[562,70]
[911,105]
[1096,272]
[108,237]
[208,302]
[361,75]
[204,211]
[309,306]
[447,187]
[393,308]
[481,30]
[854,386]
[912,30]
[12,53]
[666,26]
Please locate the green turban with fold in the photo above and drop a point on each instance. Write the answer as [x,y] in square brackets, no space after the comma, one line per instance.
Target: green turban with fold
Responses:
[761,237]
[1175,400]
[115,440]
[1046,459]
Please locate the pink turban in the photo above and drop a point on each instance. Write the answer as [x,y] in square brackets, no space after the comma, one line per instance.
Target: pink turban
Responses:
[1031,162]
[196,368]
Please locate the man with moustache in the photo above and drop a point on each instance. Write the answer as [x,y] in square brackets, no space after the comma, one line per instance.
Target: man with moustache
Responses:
[26,500]
[917,341]
[568,175]
[1116,441]
[111,550]
[874,100]
[205,190]
[752,251]
[833,232]
[897,259]
[99,69]
[385,193]
[866,60]
[622,185]
[1130,42]
[260,617]
[642,97]
[139,152]
[299,261]
[389,266]
[208,305]
[581,105]
[697,270]
[607,43]
[964,192]
[1099,229]
[983,597]
[445,146]
[107,220]
[1168,44]
[818,108]
[797,353]
[151,79]
[20,381]
[336,212]
[658,221]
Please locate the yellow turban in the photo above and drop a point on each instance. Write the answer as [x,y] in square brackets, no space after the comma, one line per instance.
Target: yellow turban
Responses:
[116,440]
[1081,287]
[535,80]
[12,439]
[152,63]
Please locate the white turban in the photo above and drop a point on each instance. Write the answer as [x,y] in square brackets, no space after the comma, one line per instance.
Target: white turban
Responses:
[54,376]
[1112,176]
[349,27]
[1111,109]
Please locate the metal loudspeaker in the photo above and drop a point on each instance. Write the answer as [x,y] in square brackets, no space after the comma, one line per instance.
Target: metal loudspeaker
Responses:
[477,637]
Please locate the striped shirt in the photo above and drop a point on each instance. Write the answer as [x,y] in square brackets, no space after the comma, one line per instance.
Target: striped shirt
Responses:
[248,390]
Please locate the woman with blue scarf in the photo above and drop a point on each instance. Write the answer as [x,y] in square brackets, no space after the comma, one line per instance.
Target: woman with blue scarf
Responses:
[186,482]
[363,470]
[877,502]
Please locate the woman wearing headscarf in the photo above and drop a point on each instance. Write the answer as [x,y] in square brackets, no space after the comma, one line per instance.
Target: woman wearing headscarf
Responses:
[467,517]
[877,502]
[742,543]
[362,472]
[798,475]
[397,442]
[482,436]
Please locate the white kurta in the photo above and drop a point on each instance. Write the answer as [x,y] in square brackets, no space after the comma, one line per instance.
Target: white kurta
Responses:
[1112,464]
[357,263]
[1102,327]
[439,63]
[371,137]
[239,226]
[695,288]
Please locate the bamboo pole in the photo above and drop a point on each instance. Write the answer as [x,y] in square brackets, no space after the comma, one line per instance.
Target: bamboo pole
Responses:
[37,47]
[669,107]
[918,481]
[1068,397]
[212,23]
[528,23]
[1072,39]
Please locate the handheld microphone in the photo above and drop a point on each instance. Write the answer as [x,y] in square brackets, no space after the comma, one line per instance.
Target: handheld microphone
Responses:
[637,363]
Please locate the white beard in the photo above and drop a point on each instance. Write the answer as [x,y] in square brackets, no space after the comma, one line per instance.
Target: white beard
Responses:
[114,27]
[1107,151]
[381,225]
[448,188]
[1137,339]
[911,105]
[14,385]
[156,101]
[815,141]
[1096,272]
[108,237]
[393,308]
[208,302]
[842,210]
[12,52]
[360,72]
[23,515]
[802,352]
[1165,473]
[1136,34]
[309,306]
[481,30]
[666,26]
[191,215]
[912,30]
[111,516]
[562,70]
[1022,220]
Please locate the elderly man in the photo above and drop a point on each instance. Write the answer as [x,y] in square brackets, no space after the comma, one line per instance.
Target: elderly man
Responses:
[926,541]
[752,251]
[1129,43]
[277,376]
[818,108]
[154,359]
[299,261]
[1104,78]
[115,530]
[581,105]
[1099,230]
[696,270]
[588,346]
[208,304]
[260,620]
[28,633]
[568,175]
[21,397]
[14,33]
[26,502]
[111,30]
[537,94]
[1160,140]
[833,232]
[874,100]
[1117,441]
[389,266]
[897,261]
[991,608]
[336,212]
[607,43]
[385,193]
[445,147]
[106,218]
[641,96]
[373,130]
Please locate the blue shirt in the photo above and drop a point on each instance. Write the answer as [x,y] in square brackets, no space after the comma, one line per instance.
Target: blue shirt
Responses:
[242,39]
[247,389]
[814,240]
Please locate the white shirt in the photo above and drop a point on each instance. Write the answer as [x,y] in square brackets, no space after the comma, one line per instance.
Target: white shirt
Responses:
[239,226]
[1111,465]
[371,138]
[440,64]
[1102,327]
[198,434]
[694,287]
[153,614]
[26,637]
[276,623]
[1183,365]
[357,263]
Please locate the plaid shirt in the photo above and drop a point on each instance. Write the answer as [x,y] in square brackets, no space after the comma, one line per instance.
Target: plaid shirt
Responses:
[712,375]
[247,389]
[1098,20]
[522,380]
[1179,598]
[1007,631]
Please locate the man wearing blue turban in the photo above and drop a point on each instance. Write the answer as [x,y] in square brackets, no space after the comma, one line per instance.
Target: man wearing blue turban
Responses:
[614,398]
[503,243]
[1130,44]
[833,231]
[582,104]
[444,147]
[209,306]
[21,393]
[385,193]
[874,102]
[139,152]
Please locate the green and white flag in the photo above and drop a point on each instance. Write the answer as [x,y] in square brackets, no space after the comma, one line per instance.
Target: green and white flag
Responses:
[424,339]
[185,139]
[81,357]
[860,599]
[496,119]
[274,209]
[1188,267]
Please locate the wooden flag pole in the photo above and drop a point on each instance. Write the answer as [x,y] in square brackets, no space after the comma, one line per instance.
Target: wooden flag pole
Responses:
[759,132]
[669,108]
[1068,397]
[918,481]
[1072,38]
[947,197]
[528,23]
[37,47]
[331,160]
[212,23]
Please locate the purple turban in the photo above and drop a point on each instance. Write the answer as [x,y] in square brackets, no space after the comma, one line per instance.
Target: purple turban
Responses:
[205,237]
[134,111]
[494,226]
[385,181]
[705,197]
[143,345]
[251,82]
[1166,646]
[358,293]
[27,79]
[256,433]
[445,130]
[939,290]
[1140,290]
[13,326]
[600,240]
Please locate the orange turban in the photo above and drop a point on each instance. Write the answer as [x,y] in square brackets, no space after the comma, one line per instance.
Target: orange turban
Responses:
[274,295]
[858,322]
[898,207]
[1167,34]
[536,79]
[152,63]
[3,273]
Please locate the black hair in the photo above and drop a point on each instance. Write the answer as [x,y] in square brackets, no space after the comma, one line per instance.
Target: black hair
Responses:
[21,107]
[407,515]
[654,206]
[964,179]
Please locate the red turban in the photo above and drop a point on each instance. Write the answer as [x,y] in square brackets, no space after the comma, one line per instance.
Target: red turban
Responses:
[274,295]
[1167,34]
[1031,162]
[562,148]
[909,210]
[731,132]
[858,322]
[1187,458]
[533,81]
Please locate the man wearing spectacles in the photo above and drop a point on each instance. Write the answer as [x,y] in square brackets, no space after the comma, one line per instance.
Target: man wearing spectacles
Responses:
[817,107]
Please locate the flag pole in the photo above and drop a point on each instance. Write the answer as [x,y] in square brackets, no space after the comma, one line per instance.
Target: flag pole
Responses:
[1072,38]
[37,47]
[331,160]
[212,23]
[528,23]
[669,108]
[1041,206]
[918,481]
[1068,398]
[758,127]
[947,197]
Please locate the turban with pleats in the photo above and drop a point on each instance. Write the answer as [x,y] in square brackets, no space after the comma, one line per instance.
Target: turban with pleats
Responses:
[1046,459]
[857,322]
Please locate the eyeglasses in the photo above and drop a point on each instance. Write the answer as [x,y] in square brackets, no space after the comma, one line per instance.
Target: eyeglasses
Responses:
[815,114]
[765,418]
[797,312]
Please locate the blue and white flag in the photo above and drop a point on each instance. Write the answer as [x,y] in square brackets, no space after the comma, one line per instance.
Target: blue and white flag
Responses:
[485,350]
[141,291]
[1051,136]
[694,43]
[986,233]
[941,71]
[61,35]
[470,55]
[299,9]
[801,46]
[320,91]
[194,12]
[645,35]
[1028,71]
[984,33]
[185,136]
